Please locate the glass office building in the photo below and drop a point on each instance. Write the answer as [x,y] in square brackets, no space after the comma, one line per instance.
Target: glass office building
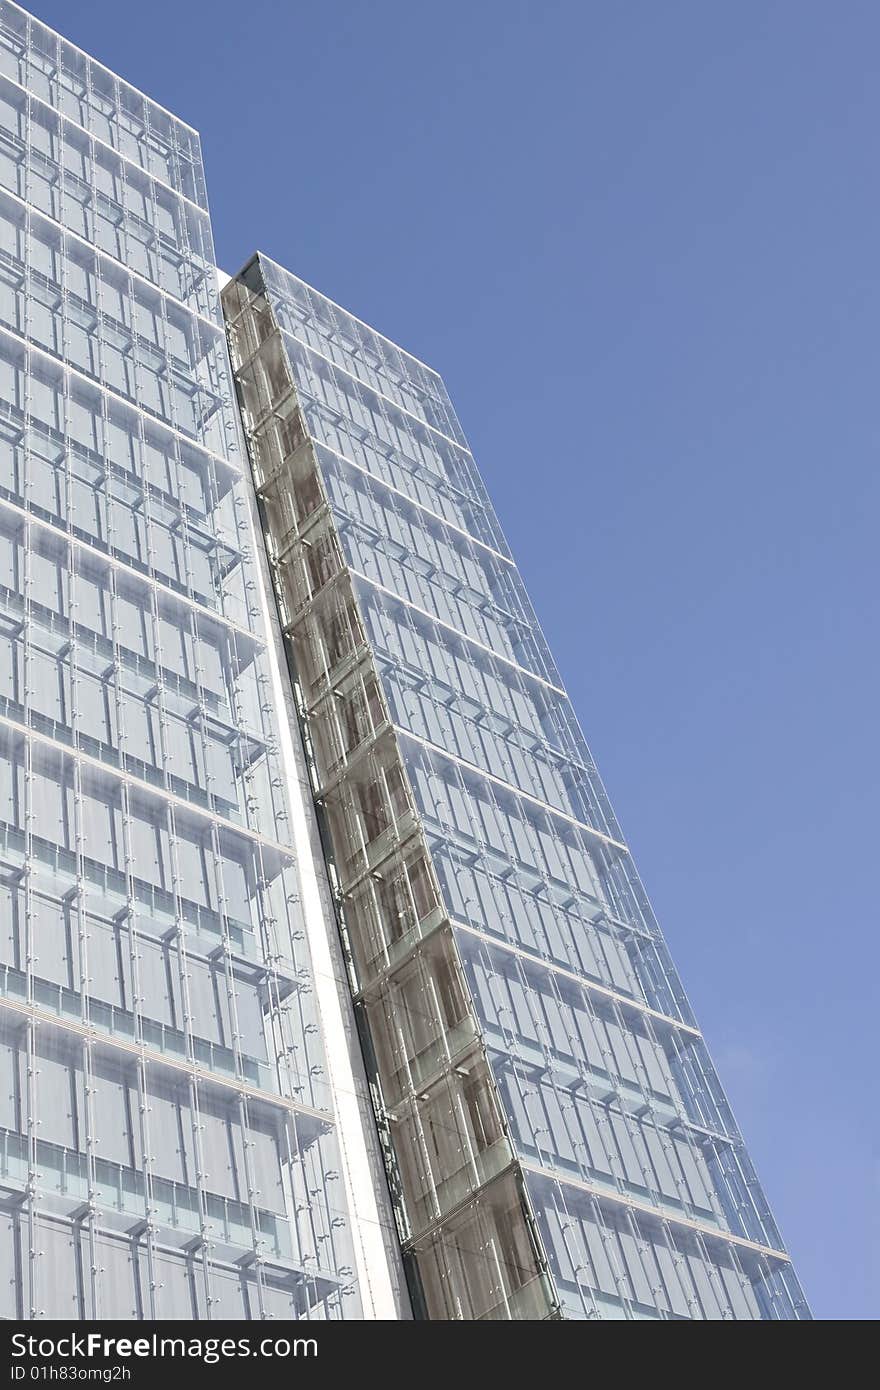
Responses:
[168,1144]
[556,1137]
[329,989]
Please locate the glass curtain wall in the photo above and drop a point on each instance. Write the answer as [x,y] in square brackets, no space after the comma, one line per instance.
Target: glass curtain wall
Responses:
[167,1144]
[556,1134]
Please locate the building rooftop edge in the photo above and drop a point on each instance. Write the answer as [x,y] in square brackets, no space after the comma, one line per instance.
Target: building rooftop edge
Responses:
[262,256]
[112,71]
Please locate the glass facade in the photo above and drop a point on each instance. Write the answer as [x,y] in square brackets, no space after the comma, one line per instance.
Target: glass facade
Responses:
[168,1144]
[556,1137]
[322,957]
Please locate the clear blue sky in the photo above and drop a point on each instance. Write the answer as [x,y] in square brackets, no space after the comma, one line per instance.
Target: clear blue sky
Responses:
[642,243]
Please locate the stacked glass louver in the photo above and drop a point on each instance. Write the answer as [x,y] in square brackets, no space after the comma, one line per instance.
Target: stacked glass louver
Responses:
[167,1144]
[556,1136]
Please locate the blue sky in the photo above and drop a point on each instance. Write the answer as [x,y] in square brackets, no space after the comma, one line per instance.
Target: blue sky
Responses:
[640,241]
